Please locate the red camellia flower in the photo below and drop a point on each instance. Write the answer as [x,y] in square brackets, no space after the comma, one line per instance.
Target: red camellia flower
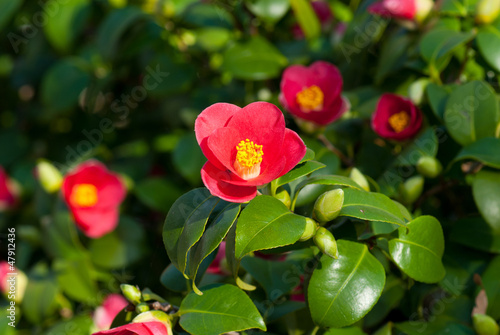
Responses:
[141,328]
[8,191]
[93,194]
[313,93]
[402,9]
[245,147]
[396,118]
[105,314]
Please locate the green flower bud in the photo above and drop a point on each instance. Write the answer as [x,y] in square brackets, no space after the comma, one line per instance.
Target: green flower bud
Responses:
[132,293]
[325,241]
[142,307]
[429,167]
[284,197]
[309,230]
[154,316]
[328,205]
[358,177]
[424,7]
[485,325]
[487,11]
[50,177]
[412,189]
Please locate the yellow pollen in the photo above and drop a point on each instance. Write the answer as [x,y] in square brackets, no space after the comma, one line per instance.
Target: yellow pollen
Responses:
[310,99]
[399,121]
[248,159]
[84,195]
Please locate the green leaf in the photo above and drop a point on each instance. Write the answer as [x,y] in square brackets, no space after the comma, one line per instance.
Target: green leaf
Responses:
[120,248]
[371,206]
[488,42]
[266,223]
[486,191]
[175,281]
[256,59]
[60,238]
[418,252]
[330,180]
[213,236]
[81,324]
[345,331]
[472,112]
[188,158]
[425,145]
[39,301]
[75,279]
[458,7]
[438,96]
[185,223]
[271,11]
[341,291]
[7,9]
[221,309]
[394,291]
[61,29]
[113,28]
[490,282]
[310,154]
[393,54]
[299,171]
[485,150]
[477,234]
[157,193]
[307,18]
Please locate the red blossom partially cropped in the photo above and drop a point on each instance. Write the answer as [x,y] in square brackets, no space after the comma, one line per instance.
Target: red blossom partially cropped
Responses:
[396,118]
[216,267]
[245,147]
[93,194]
[105,314]
[8,191]
[140,328]
[398,9]
[313,93]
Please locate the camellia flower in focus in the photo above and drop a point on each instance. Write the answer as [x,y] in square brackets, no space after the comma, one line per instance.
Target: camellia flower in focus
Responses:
[396,118]
[416,10]
[93,194]
[313,93]
[324,14]
[104,314]
[245,147]
[8,191]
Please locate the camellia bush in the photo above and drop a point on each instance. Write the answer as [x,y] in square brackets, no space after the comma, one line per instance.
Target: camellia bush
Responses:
[250,167]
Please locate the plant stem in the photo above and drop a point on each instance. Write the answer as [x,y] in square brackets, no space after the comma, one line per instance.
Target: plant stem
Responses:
[315,330]
[329,145]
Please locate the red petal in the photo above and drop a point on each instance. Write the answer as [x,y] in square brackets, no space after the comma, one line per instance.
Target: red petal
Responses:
[144,328]
[96,222]
[209,120]
[294,150]
[212,178]
[399,9]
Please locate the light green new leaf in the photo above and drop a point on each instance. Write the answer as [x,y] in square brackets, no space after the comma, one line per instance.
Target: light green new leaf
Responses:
[486,191]
[485,150]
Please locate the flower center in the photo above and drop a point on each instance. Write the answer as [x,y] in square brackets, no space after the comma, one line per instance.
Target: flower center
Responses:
[84,195]
[310,99]
[248,159]
[399,121]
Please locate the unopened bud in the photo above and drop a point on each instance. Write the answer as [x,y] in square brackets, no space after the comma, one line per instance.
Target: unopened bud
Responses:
[429,167]
[328,205]
[154,316]
[360,179]
[49,176]
[485,325]
[309,230]
[132,293]
[487,11]
[284,197]
[412,189]
[141,308]
[325,241]
[424,7]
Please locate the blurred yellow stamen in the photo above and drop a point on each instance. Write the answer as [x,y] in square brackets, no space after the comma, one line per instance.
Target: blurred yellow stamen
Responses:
[248,159]
[310,99]
[84,195]
[399,121]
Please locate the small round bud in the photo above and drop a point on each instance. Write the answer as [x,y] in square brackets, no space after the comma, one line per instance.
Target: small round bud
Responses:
[132,293]
[141,308]
[485,325]
[325,241]
[284,197]
[487,11]
[424,7]
[360,179]
[429,167]
[309,230]
[49,176]
[327,207]
[412,189]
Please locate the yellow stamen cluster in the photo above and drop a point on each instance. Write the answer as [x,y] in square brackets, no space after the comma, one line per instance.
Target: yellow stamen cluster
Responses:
[84,195]
[399,121]
[249,153]
[310,98]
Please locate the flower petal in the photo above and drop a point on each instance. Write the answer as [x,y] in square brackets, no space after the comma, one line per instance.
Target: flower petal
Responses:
[96,222]
[294,150]
[212,178]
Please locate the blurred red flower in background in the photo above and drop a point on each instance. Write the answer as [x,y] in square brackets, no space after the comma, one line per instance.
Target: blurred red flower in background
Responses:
[8,191]
[105,314]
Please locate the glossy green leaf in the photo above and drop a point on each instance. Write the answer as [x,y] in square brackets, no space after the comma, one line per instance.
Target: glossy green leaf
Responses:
[424,145]
[472,112]
[477,234]
[345,331]
[299,171]
[490,282]
[438,96]
[7,9]
[266,223]
[486,191]
[271,11]
[185,223]
[256,59]
[329,180]
[419,248]
[371,207]
[157,193]
[485,150]
[175,281]
[307,18]
[221,309]
[488,42]
[341,291]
